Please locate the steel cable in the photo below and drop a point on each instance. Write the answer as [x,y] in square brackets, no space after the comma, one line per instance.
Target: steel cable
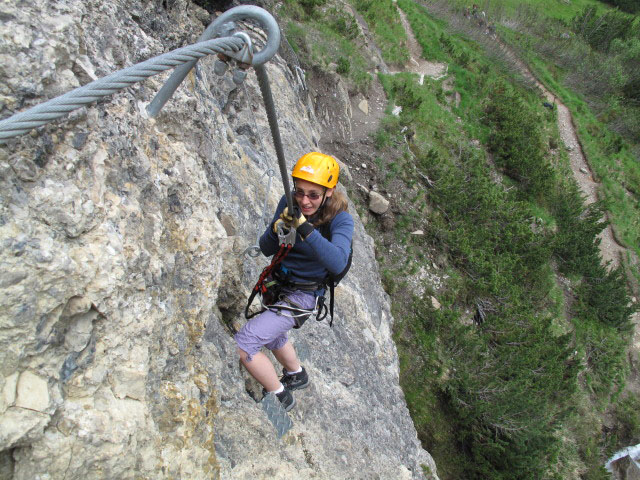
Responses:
[265,88]
[58,107]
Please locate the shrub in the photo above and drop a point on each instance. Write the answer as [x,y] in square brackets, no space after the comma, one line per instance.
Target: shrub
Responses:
[516,139]
[600,30]
[627,412]
[343,66]
[345,25]
[630,6]
[310,5]
[575,245]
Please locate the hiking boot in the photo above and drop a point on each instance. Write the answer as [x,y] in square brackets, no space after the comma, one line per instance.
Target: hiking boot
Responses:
[286,399]
[294,381]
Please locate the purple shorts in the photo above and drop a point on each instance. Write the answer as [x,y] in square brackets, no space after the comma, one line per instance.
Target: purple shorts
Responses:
[269,329]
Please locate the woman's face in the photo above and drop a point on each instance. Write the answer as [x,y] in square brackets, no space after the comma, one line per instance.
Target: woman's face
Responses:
[306,191]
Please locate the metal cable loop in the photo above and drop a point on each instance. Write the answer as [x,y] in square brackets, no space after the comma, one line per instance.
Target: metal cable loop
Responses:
[224,25]
[58,107]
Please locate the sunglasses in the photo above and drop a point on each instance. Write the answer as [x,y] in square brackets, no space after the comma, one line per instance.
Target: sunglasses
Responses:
[311,195]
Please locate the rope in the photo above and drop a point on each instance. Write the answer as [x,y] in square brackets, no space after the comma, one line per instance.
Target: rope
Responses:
[58,107]
[260,287]
[263,81]
[221,27]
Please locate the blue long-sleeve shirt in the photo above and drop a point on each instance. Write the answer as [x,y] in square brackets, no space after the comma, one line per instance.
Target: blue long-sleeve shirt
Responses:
[314,257]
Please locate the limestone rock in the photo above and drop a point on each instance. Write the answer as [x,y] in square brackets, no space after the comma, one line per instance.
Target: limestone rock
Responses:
[122,268]
[32,392]
[363,105]
[435,303]
[377,203]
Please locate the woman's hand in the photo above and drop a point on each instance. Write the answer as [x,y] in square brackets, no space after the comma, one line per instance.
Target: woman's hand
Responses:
[297,221]
[291,221]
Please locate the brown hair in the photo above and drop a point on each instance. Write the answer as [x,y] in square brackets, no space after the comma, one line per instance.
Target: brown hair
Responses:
[332,206]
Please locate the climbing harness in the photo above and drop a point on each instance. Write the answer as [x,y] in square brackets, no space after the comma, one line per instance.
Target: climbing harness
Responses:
[274,287]
[286,239]
[274,284]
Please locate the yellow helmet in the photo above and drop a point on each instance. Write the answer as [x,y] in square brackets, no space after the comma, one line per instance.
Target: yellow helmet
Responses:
[317,168]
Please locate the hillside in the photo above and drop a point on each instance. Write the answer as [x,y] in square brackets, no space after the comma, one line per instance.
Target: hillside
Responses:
[480,322]
[517,339]
[124,271]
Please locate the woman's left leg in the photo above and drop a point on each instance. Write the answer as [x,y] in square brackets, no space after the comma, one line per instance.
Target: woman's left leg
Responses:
[269,329]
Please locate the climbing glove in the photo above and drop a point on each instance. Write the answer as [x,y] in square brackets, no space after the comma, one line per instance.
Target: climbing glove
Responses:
[285,219]
[297,220]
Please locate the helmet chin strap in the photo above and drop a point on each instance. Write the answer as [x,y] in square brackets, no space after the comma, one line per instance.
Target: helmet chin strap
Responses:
[325,200]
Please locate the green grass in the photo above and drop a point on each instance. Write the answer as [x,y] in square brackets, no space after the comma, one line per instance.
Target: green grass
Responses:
[557,9]
[383,18]
[326,38]
[609,156]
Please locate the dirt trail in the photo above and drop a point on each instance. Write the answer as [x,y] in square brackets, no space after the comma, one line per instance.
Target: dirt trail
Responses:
[416,63]
[610,249]
[367,121]
[368,113]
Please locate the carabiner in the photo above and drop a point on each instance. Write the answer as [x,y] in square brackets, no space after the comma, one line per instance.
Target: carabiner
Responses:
[286,235]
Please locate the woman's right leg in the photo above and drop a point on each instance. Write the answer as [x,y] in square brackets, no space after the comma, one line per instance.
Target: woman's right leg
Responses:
[266,330]
[261,368]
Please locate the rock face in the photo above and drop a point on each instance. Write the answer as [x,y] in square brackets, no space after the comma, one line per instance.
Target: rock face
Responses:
[122,266]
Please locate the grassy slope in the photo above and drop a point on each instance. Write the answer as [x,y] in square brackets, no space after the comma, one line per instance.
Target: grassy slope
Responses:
[552,8]
[610,157]
[541,424]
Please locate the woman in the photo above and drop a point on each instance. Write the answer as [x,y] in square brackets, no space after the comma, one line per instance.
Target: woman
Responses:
[313,256]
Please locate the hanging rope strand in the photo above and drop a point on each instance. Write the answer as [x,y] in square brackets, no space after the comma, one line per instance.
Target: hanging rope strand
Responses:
[263,81]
